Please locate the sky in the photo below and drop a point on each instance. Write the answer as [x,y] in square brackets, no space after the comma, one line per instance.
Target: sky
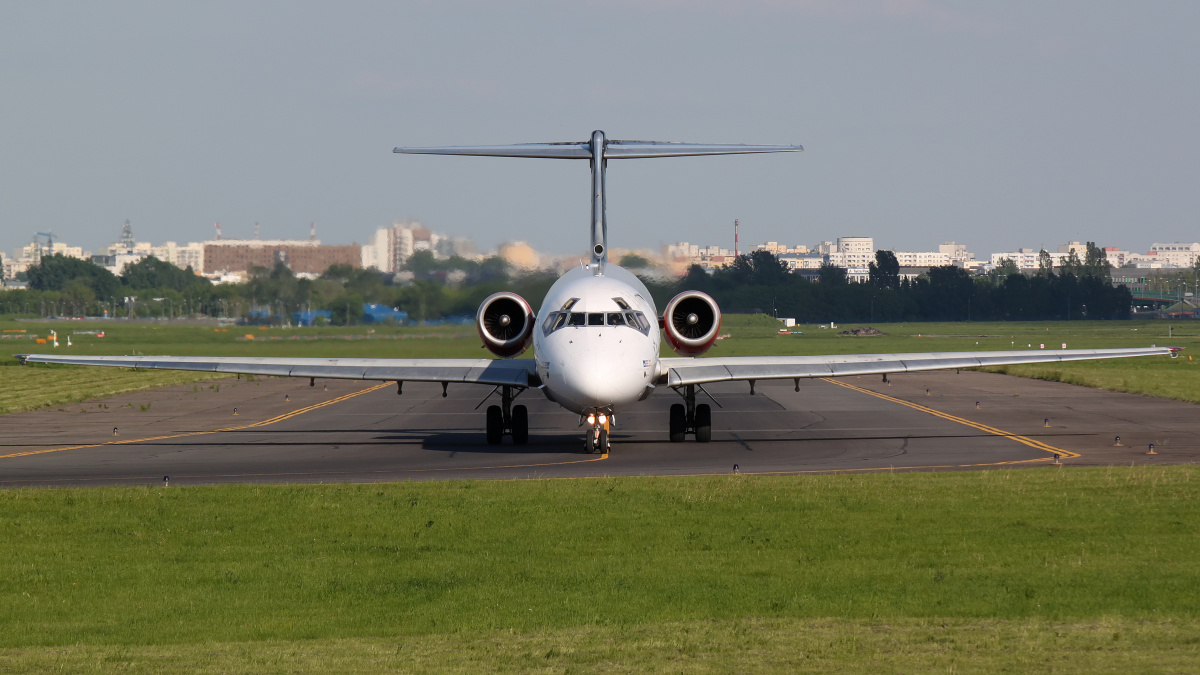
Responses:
[996,124]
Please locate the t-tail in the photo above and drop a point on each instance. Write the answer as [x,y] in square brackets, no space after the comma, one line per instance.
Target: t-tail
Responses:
[598,150]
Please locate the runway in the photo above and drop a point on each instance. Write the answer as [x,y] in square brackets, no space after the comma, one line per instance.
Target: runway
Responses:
[342,431]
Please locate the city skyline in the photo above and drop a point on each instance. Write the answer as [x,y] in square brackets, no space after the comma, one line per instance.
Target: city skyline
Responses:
[443,244]
[1000,125]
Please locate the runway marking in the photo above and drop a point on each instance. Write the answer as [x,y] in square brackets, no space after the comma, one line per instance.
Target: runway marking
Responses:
[263,423]
[975,425]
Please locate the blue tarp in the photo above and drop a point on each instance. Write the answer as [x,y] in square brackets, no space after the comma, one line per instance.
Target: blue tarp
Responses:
[373,313]
[310,317]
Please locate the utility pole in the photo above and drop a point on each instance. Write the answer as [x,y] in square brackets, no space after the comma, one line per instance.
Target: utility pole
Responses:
[735,238]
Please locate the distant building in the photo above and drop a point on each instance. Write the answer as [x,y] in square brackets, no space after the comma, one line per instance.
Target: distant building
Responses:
[519,254]
[802,262]
[777,249]
[301,256]
[852,252]
[922,258]
[1177,254]
[1025,258]
[956,253]
[390,247]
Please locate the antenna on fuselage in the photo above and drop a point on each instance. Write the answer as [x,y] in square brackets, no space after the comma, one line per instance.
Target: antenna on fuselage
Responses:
[598,150]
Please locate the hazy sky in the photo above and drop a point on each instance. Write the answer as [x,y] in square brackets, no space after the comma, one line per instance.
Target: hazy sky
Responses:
[997,124]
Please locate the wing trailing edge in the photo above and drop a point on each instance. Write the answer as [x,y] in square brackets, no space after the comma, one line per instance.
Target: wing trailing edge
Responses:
[683,371]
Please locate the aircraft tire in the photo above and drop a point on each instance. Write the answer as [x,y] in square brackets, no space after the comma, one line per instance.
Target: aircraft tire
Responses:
[602,444]
[703,423]
[520,425]
[678,423]
[495,425]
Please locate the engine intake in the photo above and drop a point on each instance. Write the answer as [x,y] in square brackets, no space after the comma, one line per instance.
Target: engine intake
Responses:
[691,322]
[505,324]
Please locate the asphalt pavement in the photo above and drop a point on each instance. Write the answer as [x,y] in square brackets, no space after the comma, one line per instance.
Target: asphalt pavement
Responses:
[285,431]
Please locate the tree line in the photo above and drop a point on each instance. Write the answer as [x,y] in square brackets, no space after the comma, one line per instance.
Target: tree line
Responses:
[151,288]
[434,289]
[761,282]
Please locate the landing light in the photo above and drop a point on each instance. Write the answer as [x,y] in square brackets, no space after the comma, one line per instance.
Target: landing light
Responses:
[603,419]
[591,419]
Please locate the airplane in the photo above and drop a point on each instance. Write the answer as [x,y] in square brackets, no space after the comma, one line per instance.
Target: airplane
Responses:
[596,335]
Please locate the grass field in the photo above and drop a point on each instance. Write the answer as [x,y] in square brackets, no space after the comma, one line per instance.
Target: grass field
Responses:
[1068,570]
[1071,570]
[34,387]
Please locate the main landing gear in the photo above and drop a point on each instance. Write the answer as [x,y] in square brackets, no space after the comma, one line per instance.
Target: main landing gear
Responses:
[507,418]
[689,418]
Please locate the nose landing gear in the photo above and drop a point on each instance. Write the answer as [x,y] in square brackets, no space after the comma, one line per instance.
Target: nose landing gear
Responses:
[507,418]
[689,418]
[595,440]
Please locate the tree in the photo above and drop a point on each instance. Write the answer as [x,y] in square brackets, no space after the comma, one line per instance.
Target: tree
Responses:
[885,271]
[768,270]
[1095,262]
[1073,265]
[56,271]
[1007,268]
[831,275]
[634,261]
[152,273]
[1045,264]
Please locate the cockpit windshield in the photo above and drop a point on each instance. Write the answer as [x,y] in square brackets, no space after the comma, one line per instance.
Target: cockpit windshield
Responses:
[559,320]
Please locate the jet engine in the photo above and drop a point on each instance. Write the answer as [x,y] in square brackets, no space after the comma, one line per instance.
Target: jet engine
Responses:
[505,324]
[691,322]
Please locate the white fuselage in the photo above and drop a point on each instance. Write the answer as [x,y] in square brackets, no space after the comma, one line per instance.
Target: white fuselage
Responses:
[592,353]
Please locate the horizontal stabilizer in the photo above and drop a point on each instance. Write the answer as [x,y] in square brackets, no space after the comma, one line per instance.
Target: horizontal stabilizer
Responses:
[612,150]
[537,150]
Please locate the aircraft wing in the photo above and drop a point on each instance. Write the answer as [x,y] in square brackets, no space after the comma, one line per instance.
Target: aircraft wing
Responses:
[684,371]
[510,372]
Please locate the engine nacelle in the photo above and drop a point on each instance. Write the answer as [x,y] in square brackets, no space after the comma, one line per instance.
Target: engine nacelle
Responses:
[505,324]
[691,322]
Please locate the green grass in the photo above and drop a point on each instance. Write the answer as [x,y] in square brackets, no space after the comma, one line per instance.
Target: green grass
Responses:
[1152,376]
[718,646]
[27,389]
[855,571]
[48,386]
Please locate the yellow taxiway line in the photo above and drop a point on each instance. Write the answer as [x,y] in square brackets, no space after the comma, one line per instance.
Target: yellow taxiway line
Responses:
[974,425]
[263,423]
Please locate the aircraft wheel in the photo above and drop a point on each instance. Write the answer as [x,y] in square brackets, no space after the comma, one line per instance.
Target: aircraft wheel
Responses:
[678,423]
[495,425]
[589,441]
[520,425]
[602,443]
[703,423]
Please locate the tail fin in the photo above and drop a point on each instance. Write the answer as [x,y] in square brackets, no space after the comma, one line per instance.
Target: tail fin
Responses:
[599,150]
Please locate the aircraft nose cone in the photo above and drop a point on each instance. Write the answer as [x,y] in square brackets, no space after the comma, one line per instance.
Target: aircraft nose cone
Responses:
[591,383]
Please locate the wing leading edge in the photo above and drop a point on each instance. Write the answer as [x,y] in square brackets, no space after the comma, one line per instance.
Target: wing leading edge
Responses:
[677,372]
[505,372]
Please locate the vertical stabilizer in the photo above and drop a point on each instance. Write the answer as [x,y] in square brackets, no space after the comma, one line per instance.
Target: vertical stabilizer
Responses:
[598,150]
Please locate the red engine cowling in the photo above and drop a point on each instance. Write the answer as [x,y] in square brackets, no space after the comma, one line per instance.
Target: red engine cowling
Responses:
[505,324]
[691,322]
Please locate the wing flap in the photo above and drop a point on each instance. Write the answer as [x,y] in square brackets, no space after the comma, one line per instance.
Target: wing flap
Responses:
[510,372]
[684,371]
